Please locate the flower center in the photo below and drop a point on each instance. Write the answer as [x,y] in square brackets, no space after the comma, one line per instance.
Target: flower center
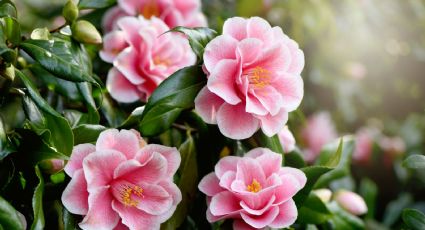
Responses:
[150,9]
[254,187]
[128,191]
[259,77]
[161,61]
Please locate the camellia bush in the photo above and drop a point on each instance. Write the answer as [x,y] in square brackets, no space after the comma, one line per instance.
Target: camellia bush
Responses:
[134,114]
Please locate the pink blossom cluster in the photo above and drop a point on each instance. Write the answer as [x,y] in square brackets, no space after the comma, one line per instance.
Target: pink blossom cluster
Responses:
[141,51]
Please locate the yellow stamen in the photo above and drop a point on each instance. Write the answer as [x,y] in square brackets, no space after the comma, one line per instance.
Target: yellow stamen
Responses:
[259,77]
[150,9]
[160,61]
[254,187]
[128,191]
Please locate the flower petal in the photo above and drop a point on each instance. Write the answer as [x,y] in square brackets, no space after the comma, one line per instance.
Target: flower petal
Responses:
[270,162]
[262,220]
[207,104]
[152,171]
[75,195]
[113,42]
[271,125]
[171,155]
[134,218]
[210,185]
[235,123]
[220,48]
[287,215]
[235,27]
[124,141]
[222,81]
[224,203]
[79,152]
[291,87]
[120,88]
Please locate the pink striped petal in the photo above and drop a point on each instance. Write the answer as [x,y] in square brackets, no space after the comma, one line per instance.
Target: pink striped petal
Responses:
[171,155]
[222,81]
[124,141]
[263,220]
[210,185]
[207,104]
[226,164]
[75,195]
[220,48]
[120,88]
[287,215]
[292,89]
[235,27]
[134,218]
[235,123]
[224,203]
[79,152]
[271,125]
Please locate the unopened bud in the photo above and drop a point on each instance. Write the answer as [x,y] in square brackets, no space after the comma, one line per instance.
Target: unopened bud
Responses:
[70,11]
[84,32]
[324,194]
[52,166]
[351,202]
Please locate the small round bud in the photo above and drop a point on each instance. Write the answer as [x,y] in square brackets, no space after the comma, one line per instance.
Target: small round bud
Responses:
[324,194]
[84,32]
[351,202]
[70,11]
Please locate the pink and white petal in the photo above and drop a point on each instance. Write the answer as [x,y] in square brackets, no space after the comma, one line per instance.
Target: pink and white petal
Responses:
[235,27]
[263,220]
[79,152]
[296,173]
[249,49]
[124,141]
[291,87]
[275,58]
[226,164]
[110,18]
[171,155]
[287,215]
[207,104]
[134,218]
[99,167]
[222,81]
[253,105]
[270,162]
[75,195]
[271,125]
[270,99]
[287,189]
[209,185]
[241,225]
[227,179]
[128,62]
[152,171]
[129,6]
[259,28]
[156,200]
[224,203]
[113,43]
[131,26]
[257,212]
[234,122]
[249,170]
[100,215]
[298,62]
[120,88]
[176,195]
[257,152]
[220,48]
[120,226]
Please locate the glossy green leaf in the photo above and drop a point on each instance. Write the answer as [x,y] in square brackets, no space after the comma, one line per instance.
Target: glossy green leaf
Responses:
[344,220]
[5,146]
[198,38]
[87,133]
[86,92]
[54,55]
[313,173]
[188,185]
[415,162]
[273,143]
[95,4]
[414,219]
[171,97]
[369,191]
[338,155]
[7,9]
[9,217]
[294,159]
[37,203]
[133,119]
[313,211]
[68,219]
[9,55]
[12,30]
[111,111]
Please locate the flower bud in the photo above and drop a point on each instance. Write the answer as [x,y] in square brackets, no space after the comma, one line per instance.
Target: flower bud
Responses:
[52,166]
[351,202]
[324,194]
[70,11]
[84,32]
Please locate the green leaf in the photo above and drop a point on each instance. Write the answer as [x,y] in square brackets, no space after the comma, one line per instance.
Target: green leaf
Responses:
[95,4]
[330,155]
[133,119]
[172,96]
[344,220]
[198,38]
[369,191]
[86,92]
[415,161]
[313,211]
[294,159]
[6,147]
[111,110]
[37,203]
[61,133]
[414,219]
[7,9]
[313,173]
[68,219]
[188,183]
[9,217]
[12,30]
[54,56]
[9,55]
[87,133]
[394,208]
[273,143]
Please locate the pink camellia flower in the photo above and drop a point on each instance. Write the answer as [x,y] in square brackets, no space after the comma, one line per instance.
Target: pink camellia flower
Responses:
[254,190]
[173,12]
[318,131]
[287,139]
[121,182]
[364,145]
[143,56]
[254,78]
[351,202]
